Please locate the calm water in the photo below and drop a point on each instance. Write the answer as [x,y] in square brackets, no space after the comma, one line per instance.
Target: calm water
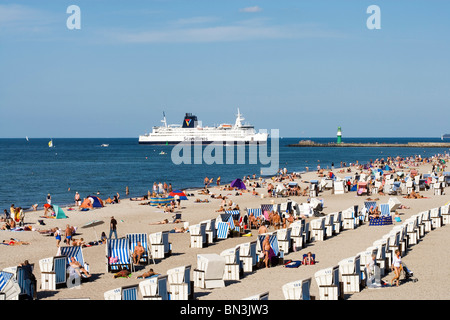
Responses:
[29,170]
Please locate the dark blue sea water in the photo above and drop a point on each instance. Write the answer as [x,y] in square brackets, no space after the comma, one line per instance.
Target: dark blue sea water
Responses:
[29,170]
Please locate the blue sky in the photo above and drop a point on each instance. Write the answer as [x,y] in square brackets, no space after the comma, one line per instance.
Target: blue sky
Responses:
[303,67]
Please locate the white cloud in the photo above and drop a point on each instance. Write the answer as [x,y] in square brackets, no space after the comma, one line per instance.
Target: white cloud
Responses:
[195,20]
[20,18]
[240,31]
[251,9]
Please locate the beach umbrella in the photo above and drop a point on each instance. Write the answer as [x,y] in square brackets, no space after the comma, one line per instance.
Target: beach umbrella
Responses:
[237,183]
[93,224]
[179,193]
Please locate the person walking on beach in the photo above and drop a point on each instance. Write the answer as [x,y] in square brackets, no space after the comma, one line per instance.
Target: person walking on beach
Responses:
[57,236]
[113,227]
[397,266]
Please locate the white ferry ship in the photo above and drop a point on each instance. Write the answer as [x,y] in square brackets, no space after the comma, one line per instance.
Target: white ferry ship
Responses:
[192,131]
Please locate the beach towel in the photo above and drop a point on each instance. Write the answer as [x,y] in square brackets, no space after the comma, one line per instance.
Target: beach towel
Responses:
[293,264]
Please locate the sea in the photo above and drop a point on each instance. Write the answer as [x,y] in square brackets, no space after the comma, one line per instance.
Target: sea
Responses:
[30,169]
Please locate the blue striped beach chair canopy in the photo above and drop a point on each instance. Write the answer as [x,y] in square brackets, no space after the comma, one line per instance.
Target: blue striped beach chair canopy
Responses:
[235,213]
[4,278]
[222,230]
[368,204]
[273,240]
[130,292]
[256,212]
[384,209]
[134,238]
[118,248]
[71,251]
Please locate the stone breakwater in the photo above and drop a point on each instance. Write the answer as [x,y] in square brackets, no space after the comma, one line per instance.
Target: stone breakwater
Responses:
[309,143]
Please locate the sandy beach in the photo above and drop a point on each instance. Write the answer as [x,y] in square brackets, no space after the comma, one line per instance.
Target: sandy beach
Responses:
[424,258]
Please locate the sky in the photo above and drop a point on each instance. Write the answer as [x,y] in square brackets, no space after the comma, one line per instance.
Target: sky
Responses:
[302,67]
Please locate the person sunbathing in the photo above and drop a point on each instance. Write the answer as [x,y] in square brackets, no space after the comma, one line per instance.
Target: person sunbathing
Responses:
[252,221]
[147,274]
[308,259]
[374,213]
[78,242]
[12,242]
[221,209]
[78,267]
[180,230]
[138,252]
[165,221]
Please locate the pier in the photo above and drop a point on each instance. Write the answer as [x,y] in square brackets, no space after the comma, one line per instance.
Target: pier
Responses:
[309,143]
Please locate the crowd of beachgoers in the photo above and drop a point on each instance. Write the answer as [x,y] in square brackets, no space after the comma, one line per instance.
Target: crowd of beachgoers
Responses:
[39,233]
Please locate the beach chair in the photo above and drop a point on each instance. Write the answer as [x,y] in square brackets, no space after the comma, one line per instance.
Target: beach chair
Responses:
[394,204]
[369,204]
[329,225]
[160,247]
[445,213]
[412,230]
[337,221]
[381,255]
[233,269]
[297,229]
[27,283]
[365,258]
[350,271]
[438,189]
[122,293]
[328,282]
[248,256]
[210,271]
[180,284]
[384,209]
[392,245]
[297,290]
[318,229]
[9,288]
[306,234]
[426,220]
[118,255]
[154,288]
[260,296]
[73,252]
[133,239]
[198,235]
[436,219]
[176,217]
[349,221]
[403,238]
[53,272]
[222,230]
[211,231]
[339,187]
[273,241]
[284,240]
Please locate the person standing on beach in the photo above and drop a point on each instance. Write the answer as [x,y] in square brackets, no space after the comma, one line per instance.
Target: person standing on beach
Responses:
[49,199]
[77,199]
[113,227]
[68,233]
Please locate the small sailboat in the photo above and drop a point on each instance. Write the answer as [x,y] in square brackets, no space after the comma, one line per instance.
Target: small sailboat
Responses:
[50,143]
[162,152]
[27,138]
[105,145]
